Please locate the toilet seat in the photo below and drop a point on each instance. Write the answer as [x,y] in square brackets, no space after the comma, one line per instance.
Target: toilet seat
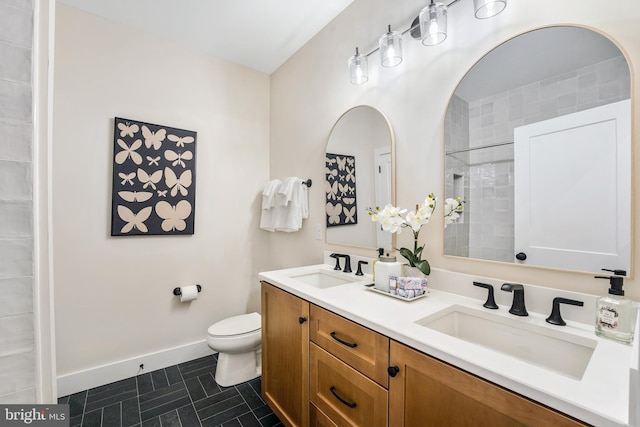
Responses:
[236,325]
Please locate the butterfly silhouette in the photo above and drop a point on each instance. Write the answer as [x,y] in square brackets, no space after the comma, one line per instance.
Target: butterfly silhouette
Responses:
[351,174]
[153,161]
[180,141]
[341,162]
[135,196]
[162,193]
[149,180]
[134,220]
[127,152]
[177,184]
[331,189]
[351,161]
[333,212]
[344,189]
[173,216]
[153,139]
[128,129]
[330,161]
[349,200]
[126,177]
[349,215]
[331,173]
[177,158]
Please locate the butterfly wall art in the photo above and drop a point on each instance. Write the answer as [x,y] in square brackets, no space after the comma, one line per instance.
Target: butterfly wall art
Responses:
[154,179]
[340,187]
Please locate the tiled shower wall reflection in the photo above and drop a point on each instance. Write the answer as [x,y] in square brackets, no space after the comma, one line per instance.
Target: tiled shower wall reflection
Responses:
[487,173]
[17,341]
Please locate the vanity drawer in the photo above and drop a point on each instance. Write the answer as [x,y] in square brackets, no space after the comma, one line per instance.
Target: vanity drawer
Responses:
[317,418]
[346,396]
[362,348]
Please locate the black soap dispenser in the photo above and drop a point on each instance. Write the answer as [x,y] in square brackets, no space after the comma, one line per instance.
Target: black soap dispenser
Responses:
[616,315]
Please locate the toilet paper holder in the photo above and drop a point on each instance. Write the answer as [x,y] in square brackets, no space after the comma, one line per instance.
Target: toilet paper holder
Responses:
[178,292]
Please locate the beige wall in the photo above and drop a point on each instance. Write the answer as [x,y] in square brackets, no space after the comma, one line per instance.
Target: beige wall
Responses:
[312,90]
[113,295]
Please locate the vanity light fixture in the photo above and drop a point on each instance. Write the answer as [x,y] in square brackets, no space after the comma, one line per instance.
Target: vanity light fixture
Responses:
[430,26]
[488,8]
[390,48]
[359,68]
[433,24]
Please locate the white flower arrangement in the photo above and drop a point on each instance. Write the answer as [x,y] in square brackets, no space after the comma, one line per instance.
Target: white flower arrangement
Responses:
[390,219]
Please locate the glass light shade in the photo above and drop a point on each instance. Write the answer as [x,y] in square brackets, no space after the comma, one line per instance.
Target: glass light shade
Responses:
[390,48]
[488,8]
[358,68]
[433,24]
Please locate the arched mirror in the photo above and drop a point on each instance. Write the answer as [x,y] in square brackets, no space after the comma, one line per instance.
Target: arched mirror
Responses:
[538,139]
[360,174]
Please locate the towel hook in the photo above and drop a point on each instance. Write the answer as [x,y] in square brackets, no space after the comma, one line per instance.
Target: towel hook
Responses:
[307,182]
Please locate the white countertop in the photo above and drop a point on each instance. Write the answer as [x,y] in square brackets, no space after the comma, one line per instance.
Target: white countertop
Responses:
[600,398]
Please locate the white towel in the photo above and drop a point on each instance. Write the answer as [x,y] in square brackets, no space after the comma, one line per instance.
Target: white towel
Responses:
[268,204]
[289,218]
[269,193]
[286,190]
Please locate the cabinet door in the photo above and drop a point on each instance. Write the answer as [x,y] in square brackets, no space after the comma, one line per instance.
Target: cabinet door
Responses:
[362,348]
[346,396]
[428,392]
[285,355]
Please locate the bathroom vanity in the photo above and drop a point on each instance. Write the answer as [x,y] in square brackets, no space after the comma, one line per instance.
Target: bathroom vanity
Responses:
[339,354]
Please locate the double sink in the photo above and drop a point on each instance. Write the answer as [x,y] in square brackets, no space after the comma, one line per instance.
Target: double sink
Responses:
[541,345]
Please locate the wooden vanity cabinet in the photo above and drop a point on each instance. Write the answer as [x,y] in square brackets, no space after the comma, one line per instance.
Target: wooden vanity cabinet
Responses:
[285,355]
[312,375]
[428,392]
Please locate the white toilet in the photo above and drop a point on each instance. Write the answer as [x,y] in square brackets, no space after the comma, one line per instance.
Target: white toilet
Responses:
[237,340]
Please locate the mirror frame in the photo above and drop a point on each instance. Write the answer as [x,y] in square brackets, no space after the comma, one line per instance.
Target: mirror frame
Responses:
[392,142]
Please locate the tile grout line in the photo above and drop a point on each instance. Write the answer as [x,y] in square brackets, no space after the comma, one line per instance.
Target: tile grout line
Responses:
[138,400]
[84,406]
[190,398]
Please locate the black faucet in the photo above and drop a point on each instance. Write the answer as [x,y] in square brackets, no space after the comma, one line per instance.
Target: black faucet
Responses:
[337,258]
[347,263]
[555,318]
[517,307]
[359,272]
[490,303]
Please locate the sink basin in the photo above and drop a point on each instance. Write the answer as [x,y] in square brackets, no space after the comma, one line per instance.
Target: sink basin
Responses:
[322,278]
[554,350]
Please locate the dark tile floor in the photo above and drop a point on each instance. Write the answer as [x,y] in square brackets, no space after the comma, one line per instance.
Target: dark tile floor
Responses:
[184,395]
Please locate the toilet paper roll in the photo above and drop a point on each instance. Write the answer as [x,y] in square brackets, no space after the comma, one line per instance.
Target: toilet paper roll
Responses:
[188,293]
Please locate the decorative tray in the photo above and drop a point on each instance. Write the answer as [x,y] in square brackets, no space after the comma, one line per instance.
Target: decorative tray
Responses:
[378,291]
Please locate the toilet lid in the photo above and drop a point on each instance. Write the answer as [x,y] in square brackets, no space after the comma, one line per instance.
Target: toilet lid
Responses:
[236,325]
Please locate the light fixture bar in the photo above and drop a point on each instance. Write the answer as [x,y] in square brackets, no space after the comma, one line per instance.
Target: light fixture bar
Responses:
[430,26]
[415,25]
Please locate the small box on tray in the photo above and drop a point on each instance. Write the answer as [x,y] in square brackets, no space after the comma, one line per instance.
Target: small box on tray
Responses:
[407,287]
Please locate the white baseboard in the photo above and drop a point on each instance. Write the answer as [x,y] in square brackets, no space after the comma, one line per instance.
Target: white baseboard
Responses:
[105,374]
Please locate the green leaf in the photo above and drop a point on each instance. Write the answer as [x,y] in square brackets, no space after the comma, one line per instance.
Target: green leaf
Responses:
[409,256]
[423,265]
[418,253]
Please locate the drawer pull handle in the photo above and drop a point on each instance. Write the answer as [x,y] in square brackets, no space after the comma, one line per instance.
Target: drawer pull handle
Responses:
[348,344]
[301,320]
[351,405]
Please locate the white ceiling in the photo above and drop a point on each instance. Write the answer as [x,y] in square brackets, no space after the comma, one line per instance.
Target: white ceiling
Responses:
[258,34]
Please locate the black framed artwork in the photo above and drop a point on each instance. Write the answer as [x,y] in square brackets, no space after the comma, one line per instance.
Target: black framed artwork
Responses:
[154,179]
[340,190]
